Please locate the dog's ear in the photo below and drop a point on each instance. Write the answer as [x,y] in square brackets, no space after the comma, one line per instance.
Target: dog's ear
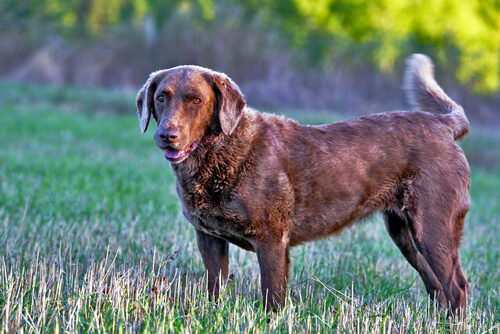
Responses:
[229,103]
[144,101]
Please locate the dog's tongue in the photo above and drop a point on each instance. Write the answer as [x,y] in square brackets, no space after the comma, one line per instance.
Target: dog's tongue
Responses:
[171,154]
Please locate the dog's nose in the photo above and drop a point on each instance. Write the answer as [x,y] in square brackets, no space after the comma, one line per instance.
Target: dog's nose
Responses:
[168,135]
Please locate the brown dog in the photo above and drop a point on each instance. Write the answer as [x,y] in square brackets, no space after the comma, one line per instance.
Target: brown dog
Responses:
[266,183]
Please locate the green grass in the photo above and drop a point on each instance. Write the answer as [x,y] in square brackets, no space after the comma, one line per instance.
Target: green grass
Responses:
[93,239]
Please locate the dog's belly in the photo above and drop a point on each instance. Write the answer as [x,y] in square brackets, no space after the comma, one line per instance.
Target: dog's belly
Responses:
[323,224]
[331,211]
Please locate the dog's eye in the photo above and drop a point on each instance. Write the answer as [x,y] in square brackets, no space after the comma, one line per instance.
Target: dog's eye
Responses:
[161,98]
[196,100]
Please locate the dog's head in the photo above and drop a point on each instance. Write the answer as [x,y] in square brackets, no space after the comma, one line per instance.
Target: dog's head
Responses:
[187,102]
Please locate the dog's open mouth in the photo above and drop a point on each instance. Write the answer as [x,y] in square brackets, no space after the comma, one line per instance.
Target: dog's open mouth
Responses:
[173,155]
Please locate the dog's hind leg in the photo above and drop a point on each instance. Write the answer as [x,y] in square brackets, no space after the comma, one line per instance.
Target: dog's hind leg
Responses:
[439,245]
[400,233]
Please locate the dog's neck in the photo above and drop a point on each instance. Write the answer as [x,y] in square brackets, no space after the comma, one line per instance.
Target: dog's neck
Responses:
[219,158]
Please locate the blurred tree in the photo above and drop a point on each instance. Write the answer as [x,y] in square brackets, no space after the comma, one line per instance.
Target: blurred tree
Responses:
[464,34]
[385,31]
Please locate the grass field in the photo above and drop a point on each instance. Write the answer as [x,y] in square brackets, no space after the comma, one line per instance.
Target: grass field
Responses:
[92,239]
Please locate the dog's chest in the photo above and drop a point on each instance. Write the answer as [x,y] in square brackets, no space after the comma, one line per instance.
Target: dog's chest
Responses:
[203,196]
[210,206]
[206,186]
[222,221]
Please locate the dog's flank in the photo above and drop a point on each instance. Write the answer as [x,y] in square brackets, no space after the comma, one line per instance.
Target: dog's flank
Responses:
[266,183]
[424,93]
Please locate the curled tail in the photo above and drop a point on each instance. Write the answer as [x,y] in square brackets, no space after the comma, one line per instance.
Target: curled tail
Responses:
[424,93]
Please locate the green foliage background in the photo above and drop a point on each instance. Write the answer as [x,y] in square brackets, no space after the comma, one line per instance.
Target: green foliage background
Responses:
[463,34]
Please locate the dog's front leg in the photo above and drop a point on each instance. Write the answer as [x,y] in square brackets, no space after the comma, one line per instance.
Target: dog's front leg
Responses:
[273,261]
[214,252]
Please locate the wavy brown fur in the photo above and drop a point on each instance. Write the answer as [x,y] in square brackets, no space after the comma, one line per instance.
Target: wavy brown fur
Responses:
[266,183]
